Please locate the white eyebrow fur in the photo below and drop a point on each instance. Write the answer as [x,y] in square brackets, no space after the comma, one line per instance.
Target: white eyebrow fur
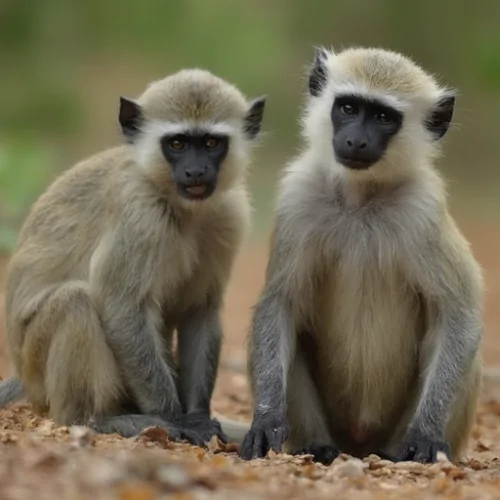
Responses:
[159,128]
[360,90]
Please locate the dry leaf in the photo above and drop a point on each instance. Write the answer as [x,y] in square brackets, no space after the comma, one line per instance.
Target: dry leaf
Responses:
[156,435]
[483,446]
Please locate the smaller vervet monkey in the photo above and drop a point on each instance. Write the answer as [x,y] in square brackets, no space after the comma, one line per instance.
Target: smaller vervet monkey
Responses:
[127,247]
[366,336]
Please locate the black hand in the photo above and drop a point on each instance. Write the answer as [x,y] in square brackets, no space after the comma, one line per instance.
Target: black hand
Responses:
[323,454]
[419,447]
[198,428]
[268,431]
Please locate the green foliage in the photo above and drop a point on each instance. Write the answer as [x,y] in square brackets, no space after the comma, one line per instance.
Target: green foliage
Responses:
[488,60]
[25,167]
[51,49]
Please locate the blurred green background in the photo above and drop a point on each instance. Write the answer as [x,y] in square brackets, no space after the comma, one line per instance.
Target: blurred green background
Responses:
[63,64]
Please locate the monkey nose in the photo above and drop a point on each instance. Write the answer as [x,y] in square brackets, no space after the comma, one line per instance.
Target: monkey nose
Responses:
[356,144]
[196,173]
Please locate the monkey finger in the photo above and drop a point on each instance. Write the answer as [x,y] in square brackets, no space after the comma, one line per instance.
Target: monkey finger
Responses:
[247,446]
[260,448]
[276,438]
[428,454]
[217,431]
[192,437]
[222,437]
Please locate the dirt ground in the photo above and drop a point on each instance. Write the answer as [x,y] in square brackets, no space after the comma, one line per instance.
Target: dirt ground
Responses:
[41,461]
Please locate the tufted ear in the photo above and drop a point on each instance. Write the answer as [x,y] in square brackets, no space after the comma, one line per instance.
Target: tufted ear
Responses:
[318,72]
[254,116]
[440,117]
[130,118]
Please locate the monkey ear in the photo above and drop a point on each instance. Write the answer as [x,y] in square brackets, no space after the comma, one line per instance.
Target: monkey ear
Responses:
[130,118]
[253,118]
[439,121]
[318,73]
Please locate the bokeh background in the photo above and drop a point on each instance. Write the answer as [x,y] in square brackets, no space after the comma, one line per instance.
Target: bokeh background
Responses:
[64,63]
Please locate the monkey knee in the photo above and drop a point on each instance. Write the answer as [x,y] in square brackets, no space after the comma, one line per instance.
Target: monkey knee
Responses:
[80,387]
[81,377]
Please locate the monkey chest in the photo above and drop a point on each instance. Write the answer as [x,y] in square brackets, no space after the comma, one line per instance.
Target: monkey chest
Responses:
[190,274]
[368,328]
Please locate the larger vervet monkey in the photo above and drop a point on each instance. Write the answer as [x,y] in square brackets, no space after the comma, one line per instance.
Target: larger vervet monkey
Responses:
[123,249]
[366,335]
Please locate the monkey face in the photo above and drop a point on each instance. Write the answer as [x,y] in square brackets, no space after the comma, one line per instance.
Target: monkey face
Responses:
[362,130]
[195,160]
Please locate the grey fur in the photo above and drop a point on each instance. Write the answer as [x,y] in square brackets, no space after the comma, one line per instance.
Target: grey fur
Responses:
[371,285]
[11,391]
[200,341]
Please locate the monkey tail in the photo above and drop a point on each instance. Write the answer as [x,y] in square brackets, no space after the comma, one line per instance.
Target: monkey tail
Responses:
[11,390]
[233,429]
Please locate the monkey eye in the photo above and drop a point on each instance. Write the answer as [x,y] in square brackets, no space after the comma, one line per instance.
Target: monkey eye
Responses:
[177,144]
[382,117]
[347,109]
[211,142]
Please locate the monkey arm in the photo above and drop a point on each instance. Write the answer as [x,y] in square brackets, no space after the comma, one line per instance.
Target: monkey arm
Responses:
[136,345]
[450,282]
[272,348]
[200,339]
[120,279]
[273,344]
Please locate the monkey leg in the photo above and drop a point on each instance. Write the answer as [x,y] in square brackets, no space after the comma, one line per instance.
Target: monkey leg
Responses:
[66,361]
[70,370]
[309,432]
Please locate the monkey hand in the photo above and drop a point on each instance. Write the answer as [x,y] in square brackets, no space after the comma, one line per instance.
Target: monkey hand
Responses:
[418,446]
[268,431]
[198,428]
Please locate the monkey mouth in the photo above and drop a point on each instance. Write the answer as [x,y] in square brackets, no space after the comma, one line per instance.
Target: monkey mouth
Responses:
[196,191]
[355,163]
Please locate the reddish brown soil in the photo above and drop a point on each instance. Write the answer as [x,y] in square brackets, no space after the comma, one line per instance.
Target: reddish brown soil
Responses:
[38,460]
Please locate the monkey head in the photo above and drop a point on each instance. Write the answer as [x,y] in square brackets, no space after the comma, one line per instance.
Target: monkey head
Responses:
[374,111]
[192,132]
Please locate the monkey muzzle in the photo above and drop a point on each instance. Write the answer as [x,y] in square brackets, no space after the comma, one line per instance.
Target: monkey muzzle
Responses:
[196,190]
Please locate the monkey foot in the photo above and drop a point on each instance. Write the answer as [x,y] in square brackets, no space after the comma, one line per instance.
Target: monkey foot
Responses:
[198,428]
[420,448]
[323,454]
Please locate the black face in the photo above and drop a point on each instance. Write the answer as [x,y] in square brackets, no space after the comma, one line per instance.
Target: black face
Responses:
[362,130]
[195,161]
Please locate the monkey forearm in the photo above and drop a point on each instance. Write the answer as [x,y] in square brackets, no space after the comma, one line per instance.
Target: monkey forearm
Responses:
[456,339]
[273,348]
[200,339]
[273,339]
[137,349]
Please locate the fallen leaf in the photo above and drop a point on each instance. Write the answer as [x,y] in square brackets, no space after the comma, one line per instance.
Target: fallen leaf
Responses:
[155,435]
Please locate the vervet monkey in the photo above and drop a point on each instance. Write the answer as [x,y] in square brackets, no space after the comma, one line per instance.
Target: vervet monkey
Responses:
[127,247]
[366,336]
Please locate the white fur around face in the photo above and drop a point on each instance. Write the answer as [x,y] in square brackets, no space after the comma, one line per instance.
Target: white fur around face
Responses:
[411,147]
[150,159]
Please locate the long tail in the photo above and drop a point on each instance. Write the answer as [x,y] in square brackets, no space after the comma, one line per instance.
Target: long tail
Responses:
[11,390]
[233,429]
